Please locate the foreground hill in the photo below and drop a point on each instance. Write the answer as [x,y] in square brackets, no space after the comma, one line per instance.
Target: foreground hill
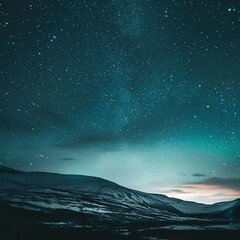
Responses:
[91,203]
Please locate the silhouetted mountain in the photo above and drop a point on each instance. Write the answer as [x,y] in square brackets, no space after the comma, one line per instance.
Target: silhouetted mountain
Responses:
[57,200]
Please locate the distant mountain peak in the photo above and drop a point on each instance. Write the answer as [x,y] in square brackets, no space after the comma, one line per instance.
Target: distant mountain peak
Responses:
[4,169]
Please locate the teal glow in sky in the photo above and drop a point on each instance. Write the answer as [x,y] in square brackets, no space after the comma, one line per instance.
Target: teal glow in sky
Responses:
[142,93]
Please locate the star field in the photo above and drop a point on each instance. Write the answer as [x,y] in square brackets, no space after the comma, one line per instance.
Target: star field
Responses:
[143,93]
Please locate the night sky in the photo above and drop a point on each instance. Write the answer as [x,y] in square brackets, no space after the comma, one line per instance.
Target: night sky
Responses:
[144,93]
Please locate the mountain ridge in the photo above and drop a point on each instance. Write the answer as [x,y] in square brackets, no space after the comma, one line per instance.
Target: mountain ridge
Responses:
[4,169]
[94,201]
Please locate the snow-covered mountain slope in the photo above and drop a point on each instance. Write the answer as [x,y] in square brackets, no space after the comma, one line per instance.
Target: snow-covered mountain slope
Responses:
[82,200]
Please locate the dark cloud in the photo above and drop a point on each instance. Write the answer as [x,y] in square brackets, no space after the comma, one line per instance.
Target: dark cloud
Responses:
[68,158]
[98,140]
[197,174]
[15,125]
[42,119]
[176,191]
[182,174]
[26,146]
[52,116]
[187,186]
[231,183]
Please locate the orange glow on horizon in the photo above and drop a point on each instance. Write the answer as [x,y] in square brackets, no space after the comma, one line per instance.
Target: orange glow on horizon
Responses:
[202,193]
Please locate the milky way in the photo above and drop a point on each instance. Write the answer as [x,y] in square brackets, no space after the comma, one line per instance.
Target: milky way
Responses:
[143,93]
